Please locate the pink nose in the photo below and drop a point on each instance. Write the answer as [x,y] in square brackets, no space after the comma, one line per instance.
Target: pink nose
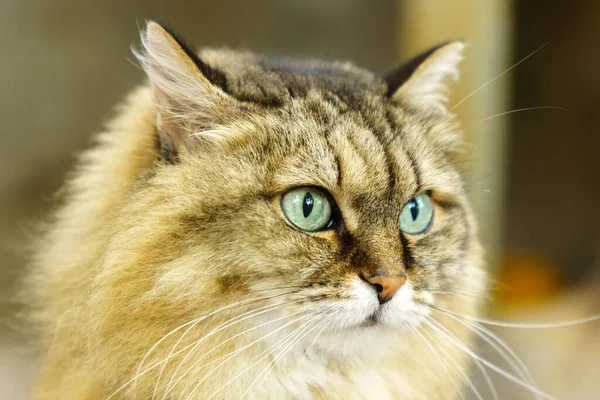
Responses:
[386,286]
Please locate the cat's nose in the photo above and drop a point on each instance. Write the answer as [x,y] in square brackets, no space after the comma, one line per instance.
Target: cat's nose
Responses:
[386,286]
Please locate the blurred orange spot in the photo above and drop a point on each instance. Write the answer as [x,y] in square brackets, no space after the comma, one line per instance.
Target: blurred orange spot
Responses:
[526,278]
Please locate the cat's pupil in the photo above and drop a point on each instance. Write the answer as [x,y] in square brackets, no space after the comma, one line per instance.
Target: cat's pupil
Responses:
[414,209]
[307,205]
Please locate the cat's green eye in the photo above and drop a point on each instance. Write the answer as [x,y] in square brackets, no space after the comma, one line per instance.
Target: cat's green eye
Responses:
[417,215]
[307,208]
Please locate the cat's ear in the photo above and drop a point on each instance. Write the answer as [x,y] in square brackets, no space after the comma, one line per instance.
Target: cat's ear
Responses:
[186,90]
[424,82]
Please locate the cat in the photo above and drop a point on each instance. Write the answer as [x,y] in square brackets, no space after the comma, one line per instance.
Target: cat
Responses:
[251,226]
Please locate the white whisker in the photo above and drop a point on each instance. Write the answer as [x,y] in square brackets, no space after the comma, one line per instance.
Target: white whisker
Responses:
[488,380]
[437,356]
[505,324]
[517,364]
[521,110]
[232,321]
[498,76]
[466,378]
[309,327]
[504,350]
[328,323]
[169,387]
[139,374]
[238,351]
[473,295]
[480,367]
[434,325]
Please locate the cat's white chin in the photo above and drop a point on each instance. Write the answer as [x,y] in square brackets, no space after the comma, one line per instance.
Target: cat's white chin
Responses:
[356,326]
[361,324]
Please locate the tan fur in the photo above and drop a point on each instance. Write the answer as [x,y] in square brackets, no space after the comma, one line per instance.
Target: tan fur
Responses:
[143,246]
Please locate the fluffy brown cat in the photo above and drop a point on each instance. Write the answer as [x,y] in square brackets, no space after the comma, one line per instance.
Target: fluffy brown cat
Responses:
[258,227]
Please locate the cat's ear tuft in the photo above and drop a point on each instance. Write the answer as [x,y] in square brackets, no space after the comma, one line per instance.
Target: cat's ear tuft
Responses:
[424,82]
[186,90]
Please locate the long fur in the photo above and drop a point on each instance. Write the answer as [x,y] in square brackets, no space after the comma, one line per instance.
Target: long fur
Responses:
[165,277]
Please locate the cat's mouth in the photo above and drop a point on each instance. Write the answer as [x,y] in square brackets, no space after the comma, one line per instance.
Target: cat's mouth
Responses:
[370,321]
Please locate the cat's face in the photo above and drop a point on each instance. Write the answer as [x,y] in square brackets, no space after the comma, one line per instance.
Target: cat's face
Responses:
[337,204]
[323,257]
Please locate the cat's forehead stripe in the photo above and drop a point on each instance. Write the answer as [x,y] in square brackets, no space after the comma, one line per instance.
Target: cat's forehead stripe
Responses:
[415,169]
[272,81]
[371,170]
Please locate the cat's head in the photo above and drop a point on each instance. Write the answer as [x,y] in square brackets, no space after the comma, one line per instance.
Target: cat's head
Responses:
[325,188]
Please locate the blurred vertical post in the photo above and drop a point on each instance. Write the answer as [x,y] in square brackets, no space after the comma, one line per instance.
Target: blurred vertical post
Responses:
[487,28]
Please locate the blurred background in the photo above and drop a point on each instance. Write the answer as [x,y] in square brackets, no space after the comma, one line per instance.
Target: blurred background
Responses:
[531,91]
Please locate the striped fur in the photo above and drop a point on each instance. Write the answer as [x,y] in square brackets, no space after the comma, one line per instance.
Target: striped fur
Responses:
[173,215]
